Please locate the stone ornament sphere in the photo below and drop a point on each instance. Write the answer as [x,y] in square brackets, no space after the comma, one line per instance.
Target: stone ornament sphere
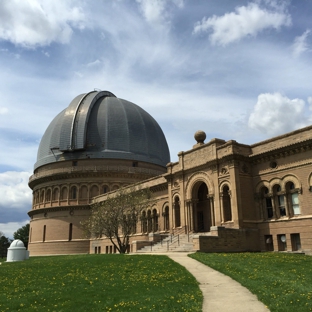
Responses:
[200,136]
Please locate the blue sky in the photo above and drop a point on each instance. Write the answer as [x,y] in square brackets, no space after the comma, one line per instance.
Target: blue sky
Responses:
[238,70]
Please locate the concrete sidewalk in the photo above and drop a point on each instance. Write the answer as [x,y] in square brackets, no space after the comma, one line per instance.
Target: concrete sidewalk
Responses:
[220,292]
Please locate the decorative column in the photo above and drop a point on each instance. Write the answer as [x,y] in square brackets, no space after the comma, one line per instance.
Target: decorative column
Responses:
[194,215]
[187,225]
[288,214]
[260,199]
[212,212]
[271,195]
[221,208]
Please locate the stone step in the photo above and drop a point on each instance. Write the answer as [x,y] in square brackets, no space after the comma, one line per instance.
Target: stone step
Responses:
[183,245]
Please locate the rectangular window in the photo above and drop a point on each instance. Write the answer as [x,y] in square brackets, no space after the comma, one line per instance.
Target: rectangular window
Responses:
[268,242]
[295,203]
[269,207]
[281,241]
[295,242]
[281,205]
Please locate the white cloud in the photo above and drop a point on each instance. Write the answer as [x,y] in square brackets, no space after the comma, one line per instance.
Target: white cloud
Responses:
[157,10]
[14,190]
[32,23]
[300,44]
[47,54]
[152,10]
[245,21]
[275,114]
[3,110]
[95,63]
[9,228]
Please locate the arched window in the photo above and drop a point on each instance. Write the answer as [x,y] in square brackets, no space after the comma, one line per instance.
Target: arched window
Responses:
[48,196]
[267,200]
[155,220]
[64,193]
[227,209]
[133,222]
[94,191]
[149,221]
[144,222]
[105,189]
[293,199]
[55,194]
[73,192]
[177,213]
[83,193]
[279,200]
[115,187]
[42,196]
[37,198]
[166,218]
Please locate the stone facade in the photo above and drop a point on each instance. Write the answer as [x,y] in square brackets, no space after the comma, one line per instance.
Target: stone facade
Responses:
[229,196]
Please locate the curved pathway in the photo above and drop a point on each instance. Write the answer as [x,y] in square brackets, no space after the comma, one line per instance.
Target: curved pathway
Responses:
[220,292]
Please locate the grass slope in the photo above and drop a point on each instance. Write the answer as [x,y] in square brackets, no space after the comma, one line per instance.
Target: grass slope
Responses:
[98,283]
[283,282]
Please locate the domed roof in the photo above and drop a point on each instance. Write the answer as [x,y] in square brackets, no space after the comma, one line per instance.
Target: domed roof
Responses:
[17,243]
[100,125]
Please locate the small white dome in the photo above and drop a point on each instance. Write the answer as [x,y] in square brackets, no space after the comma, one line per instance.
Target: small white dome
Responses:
[17,243]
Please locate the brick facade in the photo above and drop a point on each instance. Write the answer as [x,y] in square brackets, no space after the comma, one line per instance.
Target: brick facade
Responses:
[230,196]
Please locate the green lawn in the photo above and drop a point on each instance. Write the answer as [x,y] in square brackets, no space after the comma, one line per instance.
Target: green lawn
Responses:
[98,283]
[283,282]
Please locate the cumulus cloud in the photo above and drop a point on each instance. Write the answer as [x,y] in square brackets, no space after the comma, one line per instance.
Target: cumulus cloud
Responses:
[9,228]
[300,44]
[15,194]
[157,10]
[245,21]
[152,10]
[275,114]
[32,23]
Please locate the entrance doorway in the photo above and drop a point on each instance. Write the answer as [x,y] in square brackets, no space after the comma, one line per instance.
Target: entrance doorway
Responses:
[202,213]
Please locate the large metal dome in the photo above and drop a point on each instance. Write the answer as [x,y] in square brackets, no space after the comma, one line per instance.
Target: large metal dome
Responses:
[100,125]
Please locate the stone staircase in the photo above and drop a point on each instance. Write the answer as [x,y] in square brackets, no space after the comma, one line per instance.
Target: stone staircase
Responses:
[172,243]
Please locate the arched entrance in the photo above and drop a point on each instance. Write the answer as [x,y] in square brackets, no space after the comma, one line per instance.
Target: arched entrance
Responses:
[177,212]
[201,209]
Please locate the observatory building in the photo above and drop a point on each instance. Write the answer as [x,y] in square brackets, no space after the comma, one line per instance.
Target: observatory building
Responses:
[220,195]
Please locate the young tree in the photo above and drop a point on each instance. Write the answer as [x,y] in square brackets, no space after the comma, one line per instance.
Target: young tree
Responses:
[22,234]
[4,245]
[117,217]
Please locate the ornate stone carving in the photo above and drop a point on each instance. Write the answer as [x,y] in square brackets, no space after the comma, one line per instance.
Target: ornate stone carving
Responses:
[224,170]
